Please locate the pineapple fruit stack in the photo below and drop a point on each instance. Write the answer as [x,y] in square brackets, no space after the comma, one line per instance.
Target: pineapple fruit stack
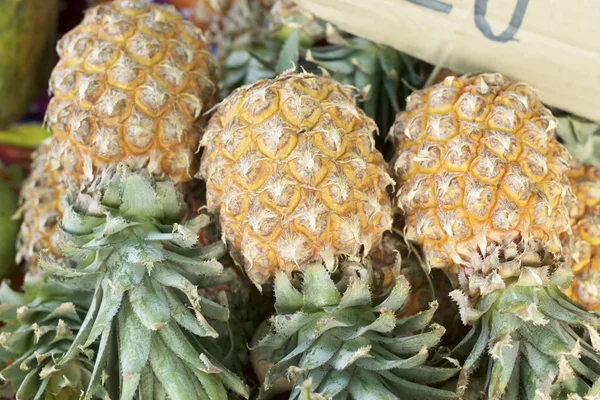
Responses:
[465,267]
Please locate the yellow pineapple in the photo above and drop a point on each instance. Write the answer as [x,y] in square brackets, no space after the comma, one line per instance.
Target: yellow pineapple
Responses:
[292,170]
[41,208]
[584,254]
[132,84]
[476,159]
[483,185]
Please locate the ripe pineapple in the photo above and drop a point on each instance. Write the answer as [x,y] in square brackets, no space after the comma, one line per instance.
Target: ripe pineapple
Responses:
[293,173]
[584,253]
[145,269]
[41,208]
[343,341]
[131,86]
[40,326]
[482,183]
[476,158]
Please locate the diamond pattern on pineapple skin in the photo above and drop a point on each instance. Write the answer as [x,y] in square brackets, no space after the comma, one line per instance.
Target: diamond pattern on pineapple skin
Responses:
[41,208]
[496,168]
[584,247]
[131,85]
[292,170]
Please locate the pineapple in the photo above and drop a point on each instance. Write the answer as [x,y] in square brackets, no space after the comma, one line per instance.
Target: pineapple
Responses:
[584,255]
[291,169]
[477,159]
[145,270]
[40,326]
[27,36]
[132,84]
[41,208]
[345,342]
[482,182]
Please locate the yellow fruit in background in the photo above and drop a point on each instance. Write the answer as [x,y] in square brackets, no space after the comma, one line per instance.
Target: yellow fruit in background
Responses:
[40,208]
[477,160]
[584,252]
[291,168]
[27,37]
[132,84]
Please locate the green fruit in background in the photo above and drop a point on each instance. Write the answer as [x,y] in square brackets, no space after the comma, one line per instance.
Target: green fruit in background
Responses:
[8,230]
[27,39]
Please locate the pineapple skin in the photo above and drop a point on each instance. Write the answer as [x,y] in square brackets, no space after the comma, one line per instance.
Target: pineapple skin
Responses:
[40,206]
[292,170]
[476,159]
[584,254]
[131,85]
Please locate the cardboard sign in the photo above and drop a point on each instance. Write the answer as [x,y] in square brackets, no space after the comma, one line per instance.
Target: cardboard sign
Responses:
[554,45]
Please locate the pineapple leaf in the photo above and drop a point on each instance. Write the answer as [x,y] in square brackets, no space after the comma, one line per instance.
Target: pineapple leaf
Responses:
[368,386]
[211,386]
[334,383]
[289,54]
[146,391]
[287,298]
[323,349]
[134,348]
[149,302]
[111,301]
[395,299]
[502,370]
[31,386]
[357,294]
[85,329]
[198,326]
[319,289]
[418,321]
[170,371]
[96,376]
[174,339]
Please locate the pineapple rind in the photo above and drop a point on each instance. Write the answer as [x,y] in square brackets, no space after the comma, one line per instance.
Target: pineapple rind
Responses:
[293,172]
[131,85]
[40,326]
[349,342]
[146,269]
[41,207]
[477,158]
[584,246]
[511,296]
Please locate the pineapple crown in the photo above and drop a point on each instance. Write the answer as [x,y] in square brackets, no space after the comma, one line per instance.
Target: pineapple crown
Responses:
[581,138]
[40,325]
[145,270]
[347,342]
[511,295]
